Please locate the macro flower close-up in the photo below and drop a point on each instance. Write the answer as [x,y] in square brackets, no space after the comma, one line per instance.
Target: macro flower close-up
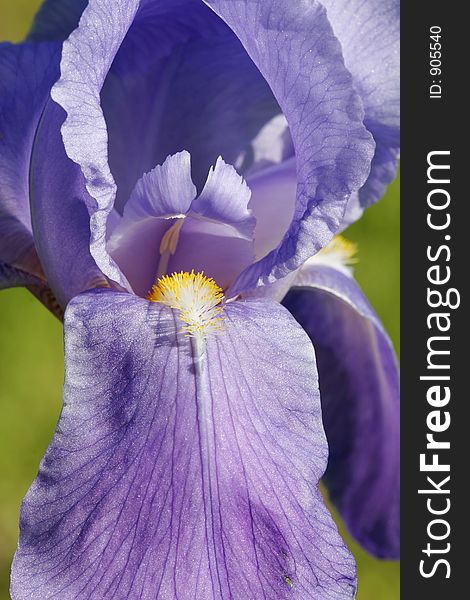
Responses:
[175,180]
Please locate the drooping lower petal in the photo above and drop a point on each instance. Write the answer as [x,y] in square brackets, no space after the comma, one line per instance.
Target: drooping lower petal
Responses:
[179,471]
[359,385]
[13,277]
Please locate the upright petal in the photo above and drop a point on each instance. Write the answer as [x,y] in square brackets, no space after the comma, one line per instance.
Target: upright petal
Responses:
[181,80]
[182,472]
[217,237]
[56,19]
[294,47]
[26,73]
[225,198]
[60,208]
[273,191]
[272,146]
[167,191]
[369,31]
[359,384]
[324,113]
[86,58]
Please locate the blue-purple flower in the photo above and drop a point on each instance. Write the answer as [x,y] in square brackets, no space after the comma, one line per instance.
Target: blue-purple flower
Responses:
[169,173]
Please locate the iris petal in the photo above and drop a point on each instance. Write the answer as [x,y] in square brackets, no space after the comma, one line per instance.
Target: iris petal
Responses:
[294,47]
[56,19]
[26,73]
[225,198]
[324,113]
[177,472]
[370,38]
[166,191]
[212,248]
[181,81]
[273,192]
[165,228]
[13,277]
[359,384]
[60,209]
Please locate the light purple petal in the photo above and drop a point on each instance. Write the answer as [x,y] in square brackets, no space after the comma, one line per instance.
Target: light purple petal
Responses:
[225,198]
[56,19]
[61,206]
[135,247]
[273,194]
[369,32]
[166,191]
[359,384]
[272,146]
[26,73]
[215,230]
[181,80]
[353,212]
[86,58]
[294,47]
[212,248]
[174,478]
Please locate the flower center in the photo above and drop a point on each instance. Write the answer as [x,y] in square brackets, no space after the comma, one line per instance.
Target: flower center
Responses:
[197,297]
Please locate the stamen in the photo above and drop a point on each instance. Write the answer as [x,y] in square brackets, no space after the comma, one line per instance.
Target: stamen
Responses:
[168,246]
[342,249]
[197,297]
[339,254]
[171,237]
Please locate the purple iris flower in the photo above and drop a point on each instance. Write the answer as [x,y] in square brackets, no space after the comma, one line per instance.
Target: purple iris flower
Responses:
[169,174]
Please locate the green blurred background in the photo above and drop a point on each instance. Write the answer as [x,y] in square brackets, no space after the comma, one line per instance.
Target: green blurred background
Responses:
[31,361]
